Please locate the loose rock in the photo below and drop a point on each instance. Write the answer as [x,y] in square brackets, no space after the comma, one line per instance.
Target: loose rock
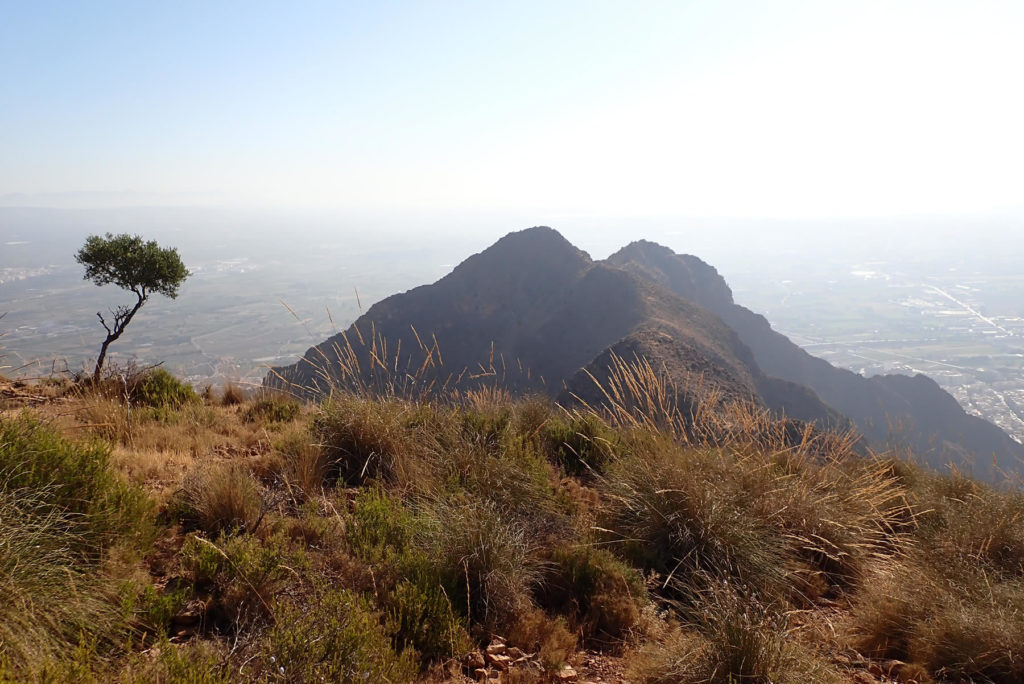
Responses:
[566,674]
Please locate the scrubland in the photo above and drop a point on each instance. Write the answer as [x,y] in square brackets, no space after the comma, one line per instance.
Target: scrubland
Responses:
[152,533]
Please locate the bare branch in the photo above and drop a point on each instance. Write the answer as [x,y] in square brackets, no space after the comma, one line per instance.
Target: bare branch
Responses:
[100,316]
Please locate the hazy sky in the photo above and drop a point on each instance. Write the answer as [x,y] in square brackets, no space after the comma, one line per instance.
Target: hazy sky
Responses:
[734,109]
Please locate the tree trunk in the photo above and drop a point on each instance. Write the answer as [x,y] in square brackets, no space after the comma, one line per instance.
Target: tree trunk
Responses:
[100,359]
[121,320]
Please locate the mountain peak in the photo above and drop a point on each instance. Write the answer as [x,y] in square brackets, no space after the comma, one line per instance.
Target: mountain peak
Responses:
[686,275]
[646,248]
[537,242]
[538,255]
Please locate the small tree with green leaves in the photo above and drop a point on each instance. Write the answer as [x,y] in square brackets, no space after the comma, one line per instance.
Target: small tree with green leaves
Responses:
[134,265]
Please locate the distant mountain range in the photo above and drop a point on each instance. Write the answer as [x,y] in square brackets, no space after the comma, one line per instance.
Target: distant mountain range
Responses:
[544,317]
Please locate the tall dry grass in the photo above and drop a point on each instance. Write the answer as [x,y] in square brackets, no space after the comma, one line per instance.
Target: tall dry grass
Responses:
[223,498]
[440,514]
[65,518]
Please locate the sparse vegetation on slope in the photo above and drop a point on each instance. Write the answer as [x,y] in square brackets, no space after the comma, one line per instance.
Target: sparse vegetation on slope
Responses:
[396,538]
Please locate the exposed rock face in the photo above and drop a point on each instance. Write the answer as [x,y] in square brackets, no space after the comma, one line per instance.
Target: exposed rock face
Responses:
[889,410]
[539,314]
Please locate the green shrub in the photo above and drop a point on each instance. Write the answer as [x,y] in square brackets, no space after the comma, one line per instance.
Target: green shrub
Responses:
[582,444]
[384,533]
[154,609]
[241,572]
[602,597]
[158,389]
[380,530]
[197,662]
[422,617]
[334,637]
[272,410]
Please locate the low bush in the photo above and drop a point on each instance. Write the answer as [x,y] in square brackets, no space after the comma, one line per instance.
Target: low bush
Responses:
[367,439]
[680,514]
[486,558]
[155,609]
[382,532]
[953,605]
[787,527]
[196,662]
[421,617]
[602,597]
[336,637]
[232,395]
[272,409]
[53,597]
[73,479]
[158,389]
[242,573]
[581,444]
[303,465]
[729,637]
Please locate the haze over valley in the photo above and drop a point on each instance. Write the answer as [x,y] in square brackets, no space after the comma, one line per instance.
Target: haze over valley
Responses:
[930,303]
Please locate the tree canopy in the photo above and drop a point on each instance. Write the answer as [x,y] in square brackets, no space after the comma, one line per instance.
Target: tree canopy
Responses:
[132,264]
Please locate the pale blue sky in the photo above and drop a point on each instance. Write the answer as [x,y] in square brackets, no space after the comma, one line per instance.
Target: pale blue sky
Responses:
[733,109]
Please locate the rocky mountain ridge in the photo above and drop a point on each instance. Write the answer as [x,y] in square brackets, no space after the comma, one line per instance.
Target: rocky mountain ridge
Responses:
[539,315]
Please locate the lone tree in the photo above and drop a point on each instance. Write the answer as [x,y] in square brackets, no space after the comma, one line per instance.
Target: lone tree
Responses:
[140,267]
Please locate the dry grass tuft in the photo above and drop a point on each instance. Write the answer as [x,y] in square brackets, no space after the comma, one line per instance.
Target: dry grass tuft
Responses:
[62,512]
[304,465]
[232,395]
[729,637]
[372,439]
[486,552]
[223,498]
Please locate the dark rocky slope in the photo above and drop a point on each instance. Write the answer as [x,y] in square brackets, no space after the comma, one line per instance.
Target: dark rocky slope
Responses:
[534,302]
[539,315]
[889,410]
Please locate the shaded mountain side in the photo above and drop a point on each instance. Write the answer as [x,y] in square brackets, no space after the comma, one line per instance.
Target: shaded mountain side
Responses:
[531,301]
[534,302]
[696,374]
[888,410]
[610,305]
[498,297]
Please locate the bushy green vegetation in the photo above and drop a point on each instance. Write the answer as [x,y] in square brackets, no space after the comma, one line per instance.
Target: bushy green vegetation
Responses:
[335,637]
[272,409]
[159,389]
[385,538]
[63,512]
